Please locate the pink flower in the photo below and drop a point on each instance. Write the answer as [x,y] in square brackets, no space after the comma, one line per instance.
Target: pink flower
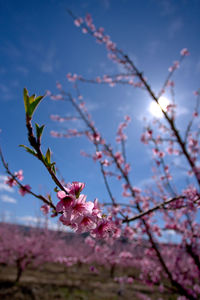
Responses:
[196,93]
[127,118]
[185,52]
[105,162]
[98,79]
[66,201]
[89,241]
[78,22]
[88,19]
[10,181]
[19,175]
[24,189]
[56,97]
[81,207]
[119,157]
[75,188]
[58,85]
[84,30]
[103,228]
[84,223]
[96,212]
[45,209]
[130,280]
[55,134]
[174,67]
[98,155]
[144,139]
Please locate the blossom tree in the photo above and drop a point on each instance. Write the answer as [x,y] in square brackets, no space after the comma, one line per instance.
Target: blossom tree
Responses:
[22,248]
[174,267]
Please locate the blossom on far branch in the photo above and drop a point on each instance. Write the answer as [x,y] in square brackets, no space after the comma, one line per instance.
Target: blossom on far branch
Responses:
[45,209]
[23,190]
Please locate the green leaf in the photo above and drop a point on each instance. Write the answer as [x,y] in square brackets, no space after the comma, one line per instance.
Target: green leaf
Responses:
[56,189]
[53,168]
[26,100]
[48,157]
[33,104]
[29,150]
[49,197]
[32,98]
[39,130]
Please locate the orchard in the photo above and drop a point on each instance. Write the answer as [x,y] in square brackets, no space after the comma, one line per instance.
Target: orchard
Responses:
[130,228]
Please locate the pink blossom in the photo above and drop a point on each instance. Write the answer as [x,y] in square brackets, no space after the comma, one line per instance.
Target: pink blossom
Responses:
[56,97]
[136,190]
[127,118]
[23,190]
[55,134]
[170,83]
[127,169]
[161,154]
[75,188]
[66,201]
[58,85]
[105,162]
[19,175]
[144,139]
[119,157]
[84,30]
[130,280]
[45,209]
[185,52]
[96,212]
[103,228]
[98,80]
[81,207]
[71,77]
[78,22]
[98,155]
[89,241]
[88,19]
[84,223]
[10,181]
[174,66]
[197,93]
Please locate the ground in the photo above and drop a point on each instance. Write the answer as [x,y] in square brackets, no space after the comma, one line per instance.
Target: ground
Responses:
[55,281]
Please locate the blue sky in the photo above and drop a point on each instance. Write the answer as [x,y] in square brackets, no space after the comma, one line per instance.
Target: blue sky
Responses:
[40,45]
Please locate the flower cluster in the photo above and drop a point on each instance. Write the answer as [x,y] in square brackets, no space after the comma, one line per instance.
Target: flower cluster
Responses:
[80,215]
[11,181]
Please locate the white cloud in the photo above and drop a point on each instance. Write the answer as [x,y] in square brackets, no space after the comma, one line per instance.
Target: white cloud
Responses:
[6,92]
[8,199]
[182,111]
[49,62]
[30,219]
[5,187]
[3,177]
[5,216]
[41,222]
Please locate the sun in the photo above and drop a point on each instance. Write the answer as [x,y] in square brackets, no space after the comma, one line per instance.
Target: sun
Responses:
[155,109]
